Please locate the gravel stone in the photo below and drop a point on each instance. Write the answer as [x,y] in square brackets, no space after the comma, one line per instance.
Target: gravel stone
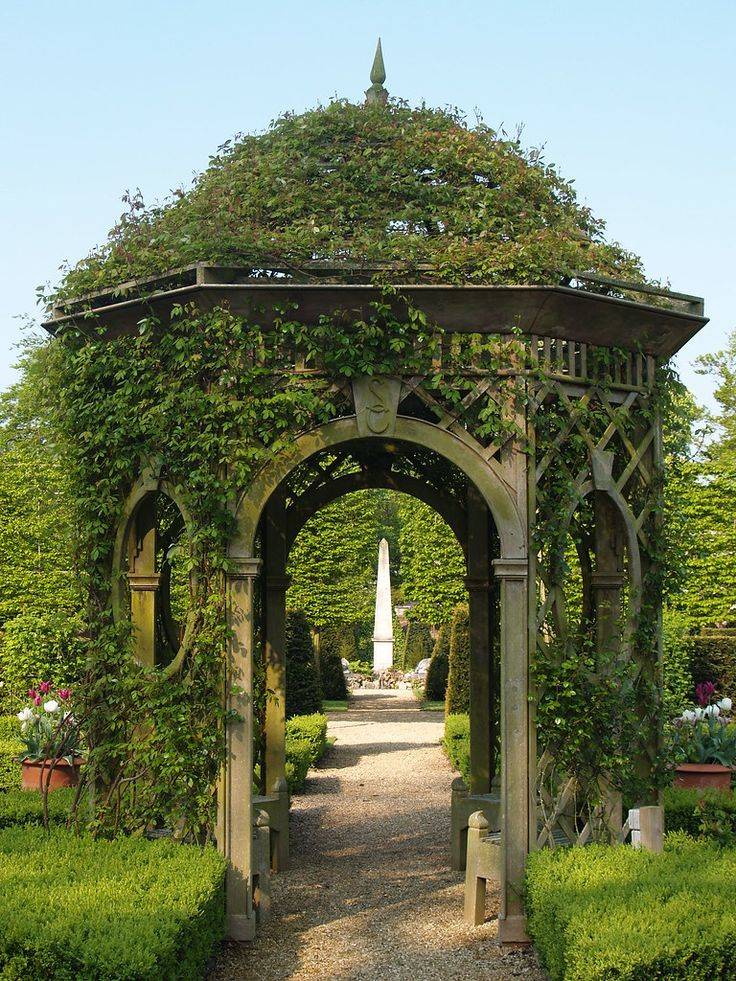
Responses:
[369,894]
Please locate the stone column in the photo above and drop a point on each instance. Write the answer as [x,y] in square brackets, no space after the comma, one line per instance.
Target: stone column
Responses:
[235,839]
[517,807]
[481,675]
[144,581]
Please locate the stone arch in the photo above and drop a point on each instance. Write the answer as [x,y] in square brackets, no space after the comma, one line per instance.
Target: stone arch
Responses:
[493,489]
[501,488]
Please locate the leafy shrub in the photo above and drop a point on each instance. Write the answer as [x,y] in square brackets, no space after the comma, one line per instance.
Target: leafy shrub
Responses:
[677,651]
[306,742]
[333,642]
[458,679]
[123,909]
[435,685]
[303,695]
[714,659]
[10,771]
[618,912]
[299,758]
[39,648]
[418,644]
[312,728]
[26,807]
[457,743]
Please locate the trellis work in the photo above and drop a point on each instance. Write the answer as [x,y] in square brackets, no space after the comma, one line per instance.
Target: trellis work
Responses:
[548,429]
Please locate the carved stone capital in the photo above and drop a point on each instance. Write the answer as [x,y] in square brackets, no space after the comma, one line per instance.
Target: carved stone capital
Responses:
[511,568]
[244,567]
[140,582]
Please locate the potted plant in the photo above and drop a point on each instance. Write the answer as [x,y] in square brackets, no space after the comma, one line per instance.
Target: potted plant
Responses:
[704,742]
[51,737]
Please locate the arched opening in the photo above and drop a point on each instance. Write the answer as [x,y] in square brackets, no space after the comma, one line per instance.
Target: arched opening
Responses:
[475,493]
[154,586]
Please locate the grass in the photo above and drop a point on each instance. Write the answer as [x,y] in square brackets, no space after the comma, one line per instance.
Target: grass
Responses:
[335,705]
[426,706]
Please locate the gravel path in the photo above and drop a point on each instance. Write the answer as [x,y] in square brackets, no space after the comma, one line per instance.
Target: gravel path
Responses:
[369,894]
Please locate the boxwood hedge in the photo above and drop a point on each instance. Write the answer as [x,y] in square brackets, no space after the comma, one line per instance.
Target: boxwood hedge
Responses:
[457,743]
[77,908]
[619,913]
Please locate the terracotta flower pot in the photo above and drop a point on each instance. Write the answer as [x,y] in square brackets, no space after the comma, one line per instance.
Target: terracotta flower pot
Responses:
[703,776]
[36,773]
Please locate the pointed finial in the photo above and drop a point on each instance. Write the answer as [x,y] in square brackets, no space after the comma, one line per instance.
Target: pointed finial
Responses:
[377,95]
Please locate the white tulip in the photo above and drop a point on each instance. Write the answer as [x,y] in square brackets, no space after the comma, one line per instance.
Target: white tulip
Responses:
[699,713]
[725,704]
[712,710]
[26,715]
[688,716]
[51,706]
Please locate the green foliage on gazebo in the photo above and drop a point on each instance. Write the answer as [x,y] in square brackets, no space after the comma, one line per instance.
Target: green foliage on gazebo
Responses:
[364,184]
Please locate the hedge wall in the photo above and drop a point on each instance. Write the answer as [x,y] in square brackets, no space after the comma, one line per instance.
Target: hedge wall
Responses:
[605,912]
[456,744]
[306,742]
[127,909]
[418,644]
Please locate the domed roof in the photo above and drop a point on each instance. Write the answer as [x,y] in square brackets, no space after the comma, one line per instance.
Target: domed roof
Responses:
[368,186]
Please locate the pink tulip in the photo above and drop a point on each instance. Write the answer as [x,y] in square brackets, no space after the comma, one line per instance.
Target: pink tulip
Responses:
[31,693]
[45,687]
[37,700]
[64,694]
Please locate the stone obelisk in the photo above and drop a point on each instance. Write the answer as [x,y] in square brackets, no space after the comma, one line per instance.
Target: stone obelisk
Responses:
[383,627]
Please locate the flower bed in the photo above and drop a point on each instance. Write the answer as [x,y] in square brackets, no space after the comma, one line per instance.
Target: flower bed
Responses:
[74,907]
[620,913]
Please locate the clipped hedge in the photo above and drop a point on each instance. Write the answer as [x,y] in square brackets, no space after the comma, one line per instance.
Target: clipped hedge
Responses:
[38,647]
[435,684]
[605,912]
[26,807]
[335,642]
[77,908]
[303,694]
[10,771]
[457,698]
[418,644]
[701,814]
[306,742]
[457,743]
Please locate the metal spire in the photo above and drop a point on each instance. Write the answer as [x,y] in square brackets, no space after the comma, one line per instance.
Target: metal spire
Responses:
[377,95]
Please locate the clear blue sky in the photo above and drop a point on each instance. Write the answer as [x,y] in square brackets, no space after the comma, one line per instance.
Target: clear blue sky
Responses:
[632,99]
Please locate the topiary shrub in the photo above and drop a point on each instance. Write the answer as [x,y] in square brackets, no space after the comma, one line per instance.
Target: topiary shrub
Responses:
[38,648]
[435,685]
[418,644]
[303,695]
[333,641]
[713,659]
[128,909]
[306,742]
[456,744]
[457,698]
[605,912]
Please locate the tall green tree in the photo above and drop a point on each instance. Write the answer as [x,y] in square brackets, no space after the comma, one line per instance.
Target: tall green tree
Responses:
[432,562]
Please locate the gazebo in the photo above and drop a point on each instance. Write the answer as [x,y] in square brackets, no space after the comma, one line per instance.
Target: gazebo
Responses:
[549,379]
